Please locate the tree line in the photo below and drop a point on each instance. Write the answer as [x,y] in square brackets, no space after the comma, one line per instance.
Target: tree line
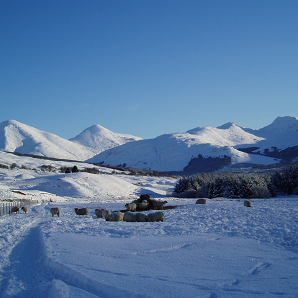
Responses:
[239,185]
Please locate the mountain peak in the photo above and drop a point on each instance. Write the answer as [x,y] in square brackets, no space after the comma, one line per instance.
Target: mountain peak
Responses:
[22,138]
[227,125]
[100,138]
[286,120]
[280,124]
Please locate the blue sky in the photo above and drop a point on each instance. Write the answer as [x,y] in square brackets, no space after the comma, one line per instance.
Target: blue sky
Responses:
[147,67]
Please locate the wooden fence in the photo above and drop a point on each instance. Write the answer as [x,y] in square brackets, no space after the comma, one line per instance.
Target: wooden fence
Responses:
[5,207]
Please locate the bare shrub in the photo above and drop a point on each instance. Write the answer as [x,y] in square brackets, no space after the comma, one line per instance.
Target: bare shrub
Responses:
[75,169]
[260,192]
[13,166]
[48,168]
[93,170]
[2,166]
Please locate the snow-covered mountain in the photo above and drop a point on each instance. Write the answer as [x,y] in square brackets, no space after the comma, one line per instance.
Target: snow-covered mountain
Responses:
[21,138]
[173,152]
[169,152]
[100,139]
[282,133]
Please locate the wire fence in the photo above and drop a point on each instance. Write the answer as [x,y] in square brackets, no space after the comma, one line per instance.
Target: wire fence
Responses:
[5,207]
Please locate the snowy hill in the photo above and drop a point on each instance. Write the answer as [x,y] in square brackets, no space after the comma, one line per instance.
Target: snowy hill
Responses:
[169,152]
[100,139]
[173,152]
[229,134]
[282,133]
[21,138]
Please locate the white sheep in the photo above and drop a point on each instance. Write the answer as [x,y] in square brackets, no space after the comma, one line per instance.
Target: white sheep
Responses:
[131,206]
[157,216]
[143,205]
[102,213]
[54,211]
[130,216]
[82,211]
[115,216]
[157,205]
[142,217]
[25,209]
[15,209]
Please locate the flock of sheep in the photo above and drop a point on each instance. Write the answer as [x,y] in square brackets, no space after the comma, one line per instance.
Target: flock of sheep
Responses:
[144,203]
[247,203]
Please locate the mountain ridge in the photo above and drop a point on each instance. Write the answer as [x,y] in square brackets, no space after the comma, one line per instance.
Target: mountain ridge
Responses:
[173,152]
[168,152]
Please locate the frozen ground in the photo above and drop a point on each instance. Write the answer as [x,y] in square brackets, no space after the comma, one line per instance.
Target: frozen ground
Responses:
[221,249]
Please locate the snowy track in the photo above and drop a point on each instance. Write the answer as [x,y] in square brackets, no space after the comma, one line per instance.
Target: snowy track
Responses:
[30,273]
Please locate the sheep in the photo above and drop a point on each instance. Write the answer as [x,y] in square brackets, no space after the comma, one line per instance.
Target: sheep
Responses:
[157,216]
[98,212]
[115,216]
[102,213]
[130,216]
[247,203]
[144,205]
[25,209]
[201,201]
[158,205]
[131,206]
[54,211]
[15,209]
[82,211]
[142,217]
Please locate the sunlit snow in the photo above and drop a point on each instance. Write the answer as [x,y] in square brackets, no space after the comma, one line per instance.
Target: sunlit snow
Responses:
[221,249]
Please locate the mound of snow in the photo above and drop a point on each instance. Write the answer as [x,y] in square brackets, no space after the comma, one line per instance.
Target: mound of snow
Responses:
[81,185]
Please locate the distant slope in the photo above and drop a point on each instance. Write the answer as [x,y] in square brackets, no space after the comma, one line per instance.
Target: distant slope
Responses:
[173,152]
[229,134]
[18,137]
[100,139]
[282,133]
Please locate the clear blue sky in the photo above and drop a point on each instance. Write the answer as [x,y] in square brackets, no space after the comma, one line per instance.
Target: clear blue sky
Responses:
[147,67]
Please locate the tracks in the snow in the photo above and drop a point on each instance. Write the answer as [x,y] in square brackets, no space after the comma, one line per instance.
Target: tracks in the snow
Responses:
[31,273]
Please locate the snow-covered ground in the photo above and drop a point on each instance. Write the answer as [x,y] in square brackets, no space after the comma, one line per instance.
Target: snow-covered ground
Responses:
[221,249]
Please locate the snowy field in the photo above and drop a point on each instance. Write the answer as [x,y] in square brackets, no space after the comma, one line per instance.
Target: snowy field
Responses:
[221,249]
